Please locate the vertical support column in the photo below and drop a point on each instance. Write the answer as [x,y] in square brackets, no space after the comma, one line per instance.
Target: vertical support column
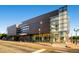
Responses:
[42,38]
[51,38]
[65,37]
[54,39]
[58,38]
[34,38]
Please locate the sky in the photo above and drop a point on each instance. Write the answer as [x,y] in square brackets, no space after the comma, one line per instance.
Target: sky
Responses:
[15,14]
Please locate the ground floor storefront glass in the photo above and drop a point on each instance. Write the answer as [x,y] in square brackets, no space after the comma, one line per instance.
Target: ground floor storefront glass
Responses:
[52,38]
[41,37]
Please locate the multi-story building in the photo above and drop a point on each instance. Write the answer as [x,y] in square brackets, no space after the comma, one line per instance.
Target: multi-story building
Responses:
[12,30]
[52,26]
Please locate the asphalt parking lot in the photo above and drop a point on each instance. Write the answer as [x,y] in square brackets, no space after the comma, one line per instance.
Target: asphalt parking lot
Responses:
[30,47]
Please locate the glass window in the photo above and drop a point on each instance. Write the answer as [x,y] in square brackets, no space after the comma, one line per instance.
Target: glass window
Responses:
[35,25]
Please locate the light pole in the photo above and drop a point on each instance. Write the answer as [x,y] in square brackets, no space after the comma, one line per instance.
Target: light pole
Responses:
[39,33]
[40,29]
[76,30]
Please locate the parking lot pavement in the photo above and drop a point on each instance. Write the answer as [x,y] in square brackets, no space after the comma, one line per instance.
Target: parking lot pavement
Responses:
[21,47]
[62,47]
[30,47]
[13,47]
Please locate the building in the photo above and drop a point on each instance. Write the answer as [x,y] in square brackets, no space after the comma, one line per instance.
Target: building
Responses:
[49,27]
[12,30]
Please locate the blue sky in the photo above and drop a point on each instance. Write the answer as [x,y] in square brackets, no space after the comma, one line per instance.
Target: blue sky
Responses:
[73,18]
[12,14]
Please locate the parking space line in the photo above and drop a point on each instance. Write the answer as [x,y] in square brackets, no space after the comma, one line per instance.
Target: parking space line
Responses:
[61,51]
[38,51]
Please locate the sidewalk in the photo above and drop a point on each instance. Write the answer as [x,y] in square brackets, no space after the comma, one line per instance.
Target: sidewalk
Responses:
[61,45]
[74,46]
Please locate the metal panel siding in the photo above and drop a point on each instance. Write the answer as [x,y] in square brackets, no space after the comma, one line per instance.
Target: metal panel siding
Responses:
[12,30]
[44,27]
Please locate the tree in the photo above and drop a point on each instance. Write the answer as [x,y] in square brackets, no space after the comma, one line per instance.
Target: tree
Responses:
[3,35]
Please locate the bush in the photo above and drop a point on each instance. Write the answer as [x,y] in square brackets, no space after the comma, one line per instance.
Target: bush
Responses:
[75,37]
